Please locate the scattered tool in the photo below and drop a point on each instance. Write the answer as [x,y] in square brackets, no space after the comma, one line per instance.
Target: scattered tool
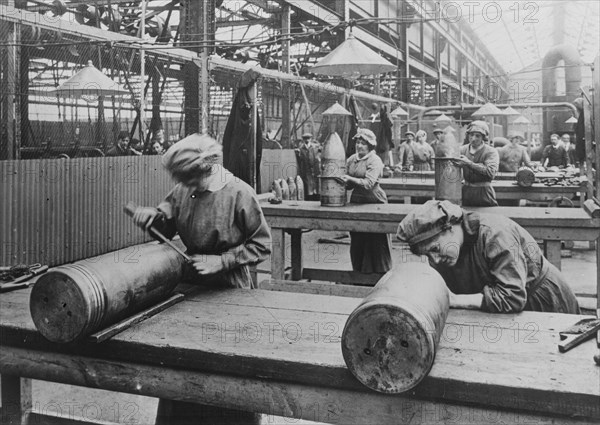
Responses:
[22,281]
[130,210]
[578,333]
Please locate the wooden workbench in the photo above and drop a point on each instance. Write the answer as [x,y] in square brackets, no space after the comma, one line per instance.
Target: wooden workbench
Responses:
[280,353]
[404,188]
[552,225]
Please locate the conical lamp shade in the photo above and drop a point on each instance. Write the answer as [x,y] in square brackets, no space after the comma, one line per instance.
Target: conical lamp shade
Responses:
[443,118]
[489,109]
[510,111]
[89,81]
[351,59]
[571,120]
[521,120]
[399,112]
[336,109]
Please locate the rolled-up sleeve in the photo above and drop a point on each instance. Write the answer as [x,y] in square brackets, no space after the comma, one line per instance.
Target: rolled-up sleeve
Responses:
[508,268]
[257,242]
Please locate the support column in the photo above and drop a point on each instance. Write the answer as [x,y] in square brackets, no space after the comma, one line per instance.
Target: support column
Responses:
[286,105]
[197,33]
[9,87]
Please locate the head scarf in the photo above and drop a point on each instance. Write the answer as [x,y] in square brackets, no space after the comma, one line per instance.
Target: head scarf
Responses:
[428,220]
[193,155]
[367,135]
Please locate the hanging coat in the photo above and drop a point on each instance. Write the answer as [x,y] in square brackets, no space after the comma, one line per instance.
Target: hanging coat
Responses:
[352,107]
[237,139]
[384,134]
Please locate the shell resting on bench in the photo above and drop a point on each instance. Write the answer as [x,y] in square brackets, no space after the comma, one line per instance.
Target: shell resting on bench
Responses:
[390,340]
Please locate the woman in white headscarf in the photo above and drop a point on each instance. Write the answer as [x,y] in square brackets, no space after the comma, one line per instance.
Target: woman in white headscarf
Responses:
[422,153]
[369,252]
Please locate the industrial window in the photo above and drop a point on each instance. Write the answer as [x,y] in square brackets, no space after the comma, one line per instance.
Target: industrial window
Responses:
[428,41]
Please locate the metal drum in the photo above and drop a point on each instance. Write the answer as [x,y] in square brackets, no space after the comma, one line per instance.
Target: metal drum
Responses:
[333,167]
[525,177]
[73,301]
[448,180]
[389,341]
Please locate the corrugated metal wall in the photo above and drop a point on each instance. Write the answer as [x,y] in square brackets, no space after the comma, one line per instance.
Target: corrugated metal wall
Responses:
[55,211]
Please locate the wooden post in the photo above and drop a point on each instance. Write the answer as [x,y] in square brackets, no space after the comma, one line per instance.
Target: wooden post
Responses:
[16,400]
[9,142]
[589,150]
[286,139]
[252,94]
[142,71]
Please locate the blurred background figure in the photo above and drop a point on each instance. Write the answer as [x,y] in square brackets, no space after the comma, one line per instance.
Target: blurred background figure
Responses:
[308,155]
[513,155]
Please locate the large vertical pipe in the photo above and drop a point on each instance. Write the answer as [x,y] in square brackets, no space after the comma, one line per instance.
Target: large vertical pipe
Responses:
[572,66]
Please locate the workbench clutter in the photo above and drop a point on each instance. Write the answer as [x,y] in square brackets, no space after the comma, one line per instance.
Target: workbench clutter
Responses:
[19,276]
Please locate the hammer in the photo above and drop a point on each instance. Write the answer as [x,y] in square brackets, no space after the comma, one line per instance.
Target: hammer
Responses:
[130,210]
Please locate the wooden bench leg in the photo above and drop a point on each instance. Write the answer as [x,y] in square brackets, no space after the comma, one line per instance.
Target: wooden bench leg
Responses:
[553,252]
[277,253]
[296,254]
[16,400]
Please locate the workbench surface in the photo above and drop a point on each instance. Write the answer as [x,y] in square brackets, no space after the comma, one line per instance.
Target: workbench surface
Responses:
[280,353]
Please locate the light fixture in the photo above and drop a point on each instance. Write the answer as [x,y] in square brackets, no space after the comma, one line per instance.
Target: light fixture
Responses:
[571,120]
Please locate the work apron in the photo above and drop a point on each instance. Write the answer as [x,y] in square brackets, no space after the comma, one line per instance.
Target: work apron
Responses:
[479,194]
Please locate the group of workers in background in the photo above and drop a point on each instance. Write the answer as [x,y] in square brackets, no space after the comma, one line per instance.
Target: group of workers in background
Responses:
[124,145]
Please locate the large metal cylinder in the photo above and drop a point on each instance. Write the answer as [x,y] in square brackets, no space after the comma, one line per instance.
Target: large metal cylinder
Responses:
[73,301]
[389,341]
[525,177]
[333,166]
[448,180]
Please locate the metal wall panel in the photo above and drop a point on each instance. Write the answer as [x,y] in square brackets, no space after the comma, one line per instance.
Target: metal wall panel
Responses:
[55,211]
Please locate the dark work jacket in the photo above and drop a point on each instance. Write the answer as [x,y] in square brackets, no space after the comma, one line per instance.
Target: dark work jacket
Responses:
[236,139]
[502,260]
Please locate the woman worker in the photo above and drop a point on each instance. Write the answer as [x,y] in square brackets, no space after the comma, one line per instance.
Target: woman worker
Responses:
[220,221]
[479,162]
[369,252]
[422,153]
[487,260]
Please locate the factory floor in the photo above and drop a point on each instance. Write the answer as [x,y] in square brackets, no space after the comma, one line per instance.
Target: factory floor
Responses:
[321,249]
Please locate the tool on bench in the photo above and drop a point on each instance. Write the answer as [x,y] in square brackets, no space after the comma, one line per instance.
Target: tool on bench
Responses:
[130,210]
[24,280]
[578,333]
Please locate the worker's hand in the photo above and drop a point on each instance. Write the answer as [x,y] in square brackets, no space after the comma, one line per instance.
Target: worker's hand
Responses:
[462,161]
[144,216]
[207,264]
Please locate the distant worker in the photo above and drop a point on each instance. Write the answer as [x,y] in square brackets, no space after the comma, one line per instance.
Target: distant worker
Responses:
[488,261]
[569,147]
[554,155]
[308,155]
[479,162]
[121,147]
[405,152]
[369,252]
[438,135]
[514,155]
[422,152]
